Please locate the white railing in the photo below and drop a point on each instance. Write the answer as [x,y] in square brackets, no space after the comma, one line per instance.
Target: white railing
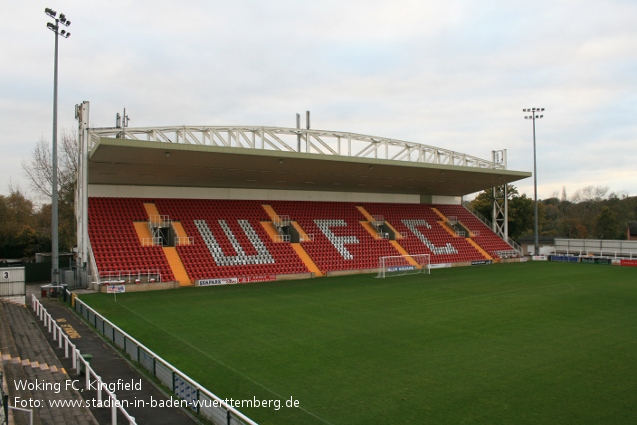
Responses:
[597,253]
[507,253]
[487,223]
[155,241]
[184,240]
[378,220]
[452,220]
[20,409]
[515,245]
[116,277]
[212,407]
[80,362]
[616,248]
[282,238]
[306,238]
[159,221]
[282,221]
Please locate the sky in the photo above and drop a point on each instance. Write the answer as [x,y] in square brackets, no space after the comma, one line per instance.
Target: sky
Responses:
[455,74]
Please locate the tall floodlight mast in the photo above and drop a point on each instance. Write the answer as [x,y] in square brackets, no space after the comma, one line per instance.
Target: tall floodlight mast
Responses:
[535,115]
[57,28]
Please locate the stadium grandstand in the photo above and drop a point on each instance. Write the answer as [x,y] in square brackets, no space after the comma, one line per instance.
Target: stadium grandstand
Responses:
[202,205]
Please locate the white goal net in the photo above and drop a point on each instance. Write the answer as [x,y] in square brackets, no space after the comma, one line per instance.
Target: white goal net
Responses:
[398,265]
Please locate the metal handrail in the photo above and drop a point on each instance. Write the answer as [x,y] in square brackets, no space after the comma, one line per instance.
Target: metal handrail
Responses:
[60,335]
[488,223]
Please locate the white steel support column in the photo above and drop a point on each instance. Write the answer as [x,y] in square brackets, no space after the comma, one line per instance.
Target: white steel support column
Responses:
[500,222]
[82,116]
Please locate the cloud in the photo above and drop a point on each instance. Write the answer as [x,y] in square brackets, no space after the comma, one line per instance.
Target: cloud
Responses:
[454,74]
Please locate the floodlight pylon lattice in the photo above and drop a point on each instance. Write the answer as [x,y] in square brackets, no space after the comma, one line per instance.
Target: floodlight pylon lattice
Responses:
[500,223]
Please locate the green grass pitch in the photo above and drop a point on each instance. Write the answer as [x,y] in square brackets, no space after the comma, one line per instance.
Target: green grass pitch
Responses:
[527,343]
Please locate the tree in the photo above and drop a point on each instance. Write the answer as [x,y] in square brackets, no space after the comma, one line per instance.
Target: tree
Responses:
[483,203]
[17,230]
[39,168]
[521,214]
[590,193]
[520,210]
[606,224]
[39,171]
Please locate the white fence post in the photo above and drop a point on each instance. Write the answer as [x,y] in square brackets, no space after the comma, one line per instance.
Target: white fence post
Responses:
[76,355]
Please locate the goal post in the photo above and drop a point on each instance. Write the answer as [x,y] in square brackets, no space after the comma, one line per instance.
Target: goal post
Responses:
[399,265]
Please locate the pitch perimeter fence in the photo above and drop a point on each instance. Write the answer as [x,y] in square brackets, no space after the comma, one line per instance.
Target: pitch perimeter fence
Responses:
[202,401]
[600,247]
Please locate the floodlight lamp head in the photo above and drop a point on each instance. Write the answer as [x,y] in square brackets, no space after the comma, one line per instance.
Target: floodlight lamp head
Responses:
[50,12]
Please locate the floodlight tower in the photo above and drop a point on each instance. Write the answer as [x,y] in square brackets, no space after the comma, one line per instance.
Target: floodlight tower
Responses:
[55,27]
[534,116]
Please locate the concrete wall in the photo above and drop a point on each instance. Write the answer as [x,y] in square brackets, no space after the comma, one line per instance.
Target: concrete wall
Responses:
[439,199]
[528,248]
[257,194]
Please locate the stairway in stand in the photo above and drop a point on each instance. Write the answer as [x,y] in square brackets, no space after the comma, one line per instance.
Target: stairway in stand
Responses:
[177,266]
[309,263]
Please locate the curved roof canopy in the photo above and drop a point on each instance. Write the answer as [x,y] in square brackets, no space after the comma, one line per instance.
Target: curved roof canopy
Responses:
[261,157]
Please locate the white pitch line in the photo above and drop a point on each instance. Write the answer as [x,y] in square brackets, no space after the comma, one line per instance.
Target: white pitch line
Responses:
[224,365]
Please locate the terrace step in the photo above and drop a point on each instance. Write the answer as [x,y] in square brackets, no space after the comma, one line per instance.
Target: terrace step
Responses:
[441,215]
[177,267]
[309,263]
[402,251]
[479,248]
[273,215]
[363,211]
[28,358]
[271,230]
[151,209]
[180,232]
[143,232]
[370,229]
